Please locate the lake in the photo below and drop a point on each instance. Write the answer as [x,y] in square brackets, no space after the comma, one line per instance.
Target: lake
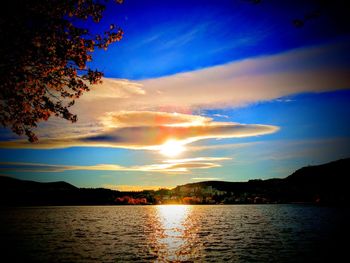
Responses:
[174,233]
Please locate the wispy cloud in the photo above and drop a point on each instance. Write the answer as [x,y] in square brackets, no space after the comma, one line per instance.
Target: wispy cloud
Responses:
[221,146]
[184,35]
[198,159]
[221,116]
[206,178]
[168,166]
[115,89]
[312,69]
[131,188]
[325,149]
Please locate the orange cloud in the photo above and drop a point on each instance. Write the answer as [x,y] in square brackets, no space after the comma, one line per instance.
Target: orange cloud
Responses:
[150,118]
[150,137]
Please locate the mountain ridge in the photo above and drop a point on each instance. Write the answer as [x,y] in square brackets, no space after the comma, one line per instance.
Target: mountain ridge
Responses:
[325,183]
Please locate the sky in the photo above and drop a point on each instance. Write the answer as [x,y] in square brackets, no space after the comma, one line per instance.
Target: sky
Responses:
[201,90]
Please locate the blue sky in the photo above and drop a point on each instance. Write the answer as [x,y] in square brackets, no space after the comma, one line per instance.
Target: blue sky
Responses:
[237,90]
[161,36]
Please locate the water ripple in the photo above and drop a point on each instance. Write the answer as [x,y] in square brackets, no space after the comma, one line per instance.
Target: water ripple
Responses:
[243,233]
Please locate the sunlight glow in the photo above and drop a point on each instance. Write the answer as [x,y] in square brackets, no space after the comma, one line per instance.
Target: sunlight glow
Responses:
[172,148]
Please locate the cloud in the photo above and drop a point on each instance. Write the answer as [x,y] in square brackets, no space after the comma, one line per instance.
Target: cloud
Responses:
[311,69]
[221,116]
[122,113]
[325,149]
[134,188]
[114,88]
[221,146]
[251,80]
[206,178]
[150,118]
[168,166]
[198,159]
[236,84]
[152,137]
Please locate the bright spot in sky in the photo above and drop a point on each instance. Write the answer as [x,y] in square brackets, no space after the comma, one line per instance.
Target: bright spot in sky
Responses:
[172,148]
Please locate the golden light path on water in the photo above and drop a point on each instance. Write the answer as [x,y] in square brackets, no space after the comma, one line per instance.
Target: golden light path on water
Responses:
[174,236]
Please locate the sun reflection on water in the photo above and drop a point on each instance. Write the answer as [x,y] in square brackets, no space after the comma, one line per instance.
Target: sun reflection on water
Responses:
[174,235]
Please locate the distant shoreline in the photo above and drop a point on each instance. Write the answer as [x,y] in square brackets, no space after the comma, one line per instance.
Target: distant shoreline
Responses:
[318,185]
[146,205]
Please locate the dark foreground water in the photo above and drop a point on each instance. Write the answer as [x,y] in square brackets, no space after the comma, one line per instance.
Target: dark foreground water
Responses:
[227,233]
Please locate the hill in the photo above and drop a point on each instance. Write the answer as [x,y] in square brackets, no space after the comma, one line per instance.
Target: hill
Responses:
[24,193]
[326,183]
[8,183]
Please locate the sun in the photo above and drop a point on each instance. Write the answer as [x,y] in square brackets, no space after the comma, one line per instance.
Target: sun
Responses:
[172,148]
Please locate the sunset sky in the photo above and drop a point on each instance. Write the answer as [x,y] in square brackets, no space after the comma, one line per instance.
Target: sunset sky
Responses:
[200,90]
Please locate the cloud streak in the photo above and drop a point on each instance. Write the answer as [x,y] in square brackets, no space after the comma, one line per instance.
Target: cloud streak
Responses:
[206,178]
[197,159]
[168,166]
[311,69]
[251,80]
[151,118]
[134,188]
[150,137]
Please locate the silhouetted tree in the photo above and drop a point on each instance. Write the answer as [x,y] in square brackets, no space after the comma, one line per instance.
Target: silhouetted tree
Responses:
[336,10]
[45,49]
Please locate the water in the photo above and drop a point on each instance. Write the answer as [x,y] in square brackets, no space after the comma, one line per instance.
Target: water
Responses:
[227,233]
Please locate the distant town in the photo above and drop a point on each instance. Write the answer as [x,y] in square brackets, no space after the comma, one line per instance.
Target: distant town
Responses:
[192,194]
